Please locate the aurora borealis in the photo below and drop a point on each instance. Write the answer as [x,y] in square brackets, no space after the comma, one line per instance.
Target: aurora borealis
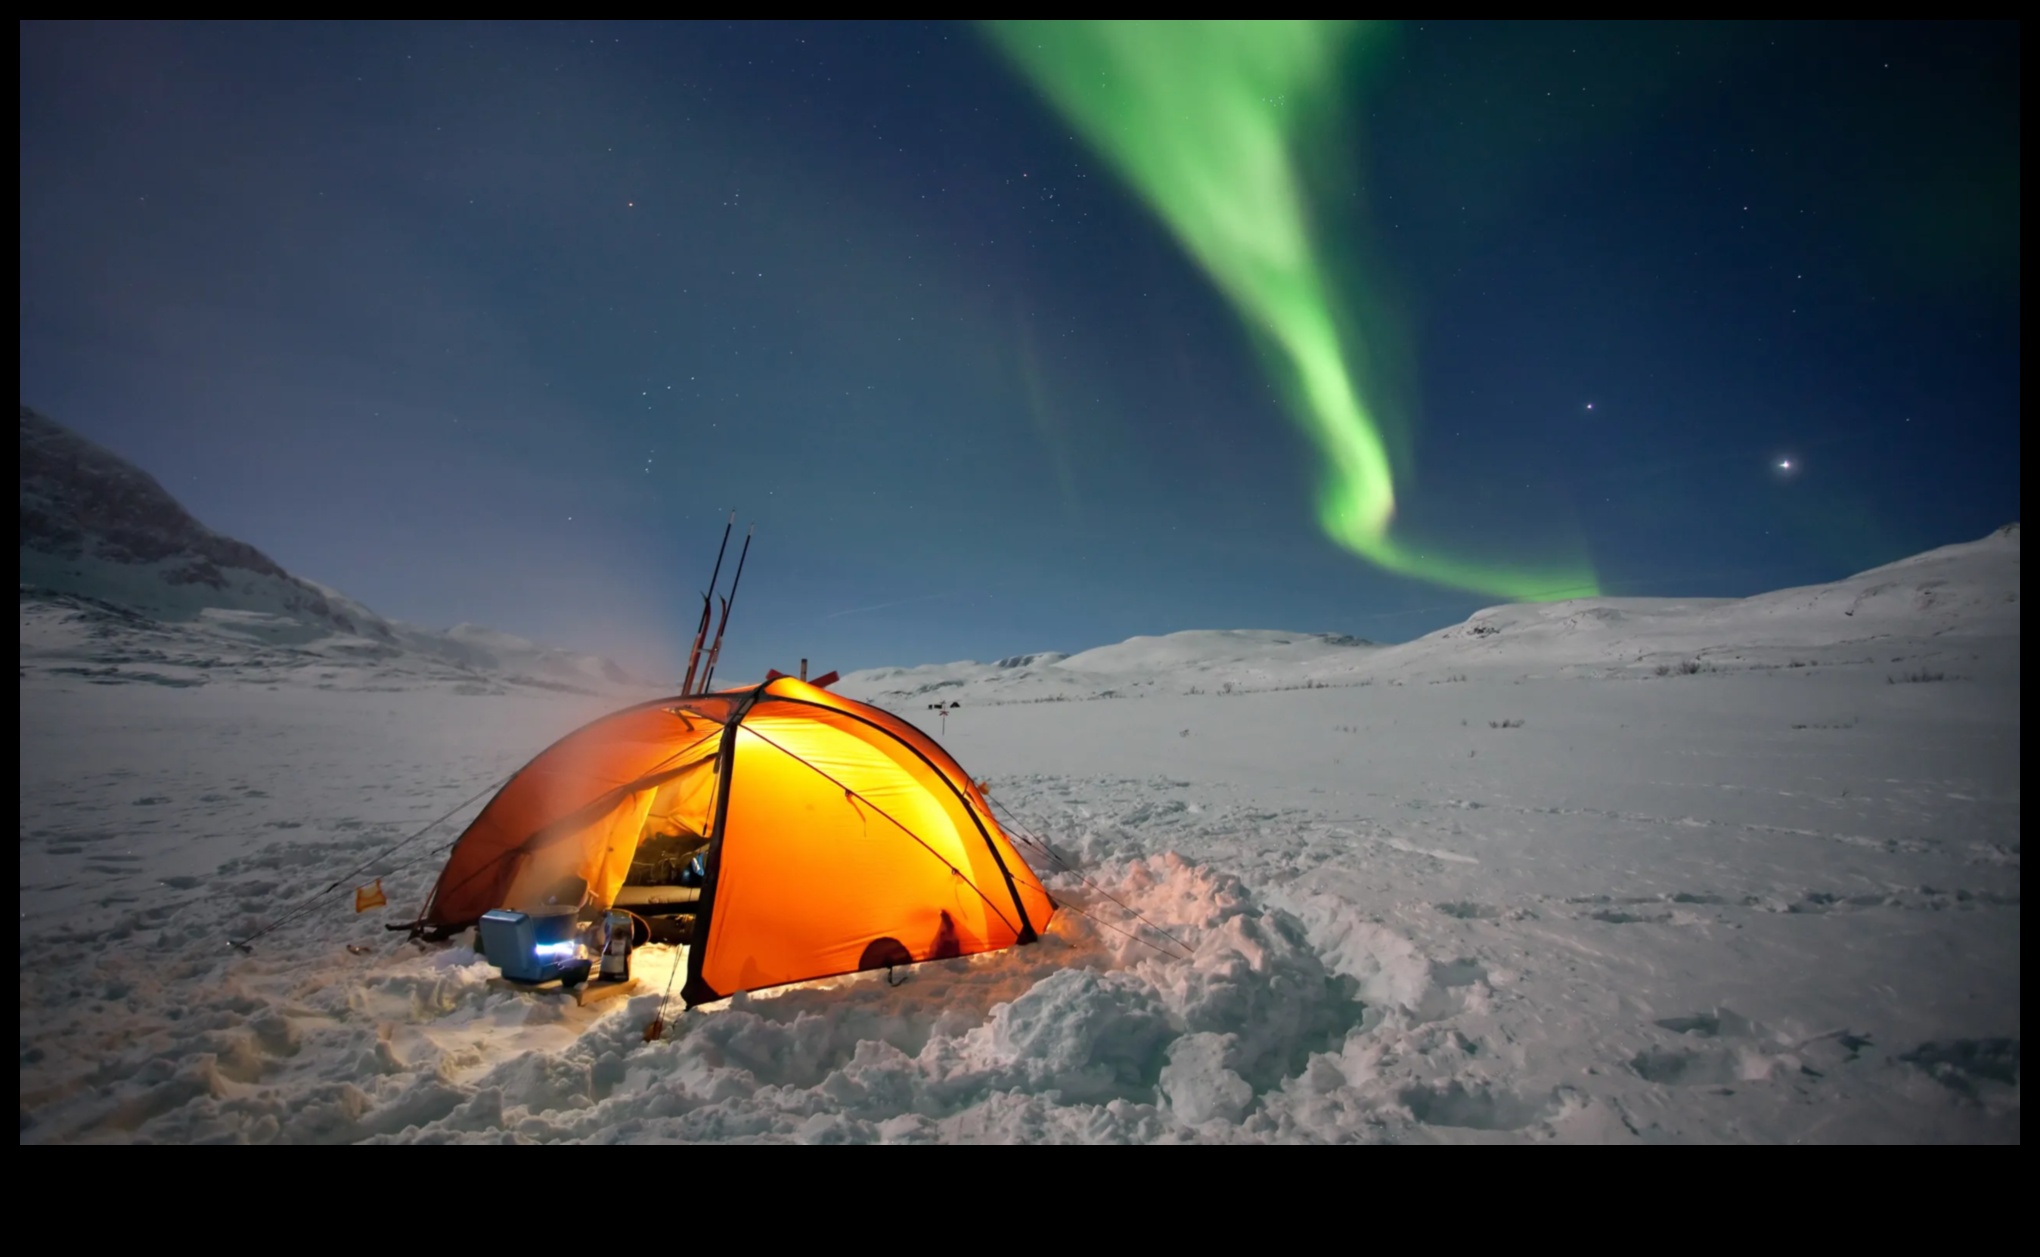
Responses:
[1208,119]
[1035,337]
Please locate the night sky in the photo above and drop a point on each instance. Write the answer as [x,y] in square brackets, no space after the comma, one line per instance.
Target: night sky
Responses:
[495,324]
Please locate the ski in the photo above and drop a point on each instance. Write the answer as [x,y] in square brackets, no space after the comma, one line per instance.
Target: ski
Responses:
[715,651]
[707,604]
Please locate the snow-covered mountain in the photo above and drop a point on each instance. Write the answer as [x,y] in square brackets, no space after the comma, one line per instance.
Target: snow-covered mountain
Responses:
[120,582]
[1215,660]
[1919,609]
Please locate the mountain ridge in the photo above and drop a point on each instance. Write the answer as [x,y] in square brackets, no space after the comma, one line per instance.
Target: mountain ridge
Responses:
[106,549]
[1918,609]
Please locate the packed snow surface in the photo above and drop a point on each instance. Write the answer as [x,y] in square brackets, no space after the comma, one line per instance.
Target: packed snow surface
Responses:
[1611,870]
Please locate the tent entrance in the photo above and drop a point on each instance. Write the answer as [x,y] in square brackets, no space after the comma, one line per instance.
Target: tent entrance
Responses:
[664,875]
[630,849]
[661,881]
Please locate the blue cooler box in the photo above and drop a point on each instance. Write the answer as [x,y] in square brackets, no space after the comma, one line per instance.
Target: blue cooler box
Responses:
[531,946]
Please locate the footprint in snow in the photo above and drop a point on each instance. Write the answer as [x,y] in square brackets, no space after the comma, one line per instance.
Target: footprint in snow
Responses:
[1470,911]
[1479,1107]
[1968,1067]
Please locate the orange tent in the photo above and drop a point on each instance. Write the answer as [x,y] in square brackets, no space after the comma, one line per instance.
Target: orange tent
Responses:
[835,837]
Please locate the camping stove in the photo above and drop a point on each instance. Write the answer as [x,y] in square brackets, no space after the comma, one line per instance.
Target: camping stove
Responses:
[534,946]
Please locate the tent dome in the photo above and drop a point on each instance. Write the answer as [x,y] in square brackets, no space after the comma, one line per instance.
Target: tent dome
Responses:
[833,836]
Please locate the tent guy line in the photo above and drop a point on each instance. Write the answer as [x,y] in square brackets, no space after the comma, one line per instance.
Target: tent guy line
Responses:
[345,879]
[1027,834]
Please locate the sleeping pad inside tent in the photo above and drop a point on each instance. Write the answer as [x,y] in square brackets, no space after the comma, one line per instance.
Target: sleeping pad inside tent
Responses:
[833,837]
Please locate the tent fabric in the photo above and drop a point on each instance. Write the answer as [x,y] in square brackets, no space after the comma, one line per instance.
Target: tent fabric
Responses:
[581,770]
[838,837]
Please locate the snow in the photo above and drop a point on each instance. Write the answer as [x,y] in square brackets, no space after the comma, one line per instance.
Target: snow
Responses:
[1615,870]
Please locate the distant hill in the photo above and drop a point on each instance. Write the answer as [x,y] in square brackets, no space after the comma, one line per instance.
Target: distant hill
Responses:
[1919,610]
[107,553]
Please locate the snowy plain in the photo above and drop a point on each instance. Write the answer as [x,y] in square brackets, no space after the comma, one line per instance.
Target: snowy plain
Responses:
[1601,871]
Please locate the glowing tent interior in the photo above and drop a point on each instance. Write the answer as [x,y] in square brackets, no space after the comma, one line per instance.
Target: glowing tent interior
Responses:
[833,837]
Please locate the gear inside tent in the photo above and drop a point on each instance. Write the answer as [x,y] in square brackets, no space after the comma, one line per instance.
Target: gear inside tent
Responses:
[799,835]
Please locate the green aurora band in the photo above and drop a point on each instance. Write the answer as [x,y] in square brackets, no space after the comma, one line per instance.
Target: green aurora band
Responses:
[1205,120]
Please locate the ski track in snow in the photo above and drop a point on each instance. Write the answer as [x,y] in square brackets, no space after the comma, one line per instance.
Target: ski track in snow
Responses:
[1761,903]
